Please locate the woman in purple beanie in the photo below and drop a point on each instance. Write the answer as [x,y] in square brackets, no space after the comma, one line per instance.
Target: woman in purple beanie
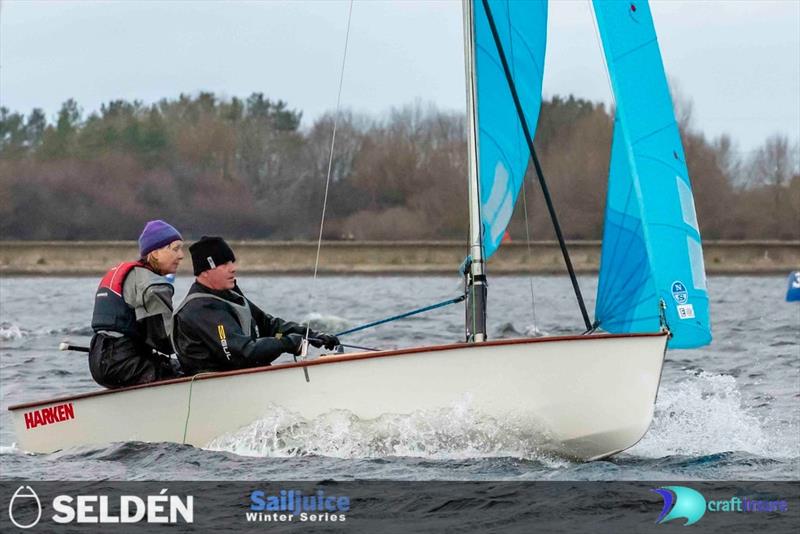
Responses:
[132,316]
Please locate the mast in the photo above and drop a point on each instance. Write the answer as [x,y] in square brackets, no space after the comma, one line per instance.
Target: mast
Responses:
[475,275]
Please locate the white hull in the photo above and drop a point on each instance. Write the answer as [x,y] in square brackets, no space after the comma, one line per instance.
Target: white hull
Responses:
[589,396]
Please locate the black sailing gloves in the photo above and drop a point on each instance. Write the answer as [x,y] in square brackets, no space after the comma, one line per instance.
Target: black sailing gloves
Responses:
[328,341]
[293,343]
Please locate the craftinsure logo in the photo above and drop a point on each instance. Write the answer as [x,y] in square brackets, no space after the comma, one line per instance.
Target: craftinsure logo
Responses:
[294,506]
[25,509]
[681,502]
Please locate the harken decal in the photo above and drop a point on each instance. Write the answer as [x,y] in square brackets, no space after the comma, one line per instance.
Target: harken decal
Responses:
[50,415]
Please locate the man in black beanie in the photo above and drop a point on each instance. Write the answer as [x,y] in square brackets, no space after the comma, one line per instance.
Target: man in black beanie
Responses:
[217,329]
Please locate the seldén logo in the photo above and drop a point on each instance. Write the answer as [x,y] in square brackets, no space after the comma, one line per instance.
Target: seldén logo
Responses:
[24,497]
[25,508]
[681,503]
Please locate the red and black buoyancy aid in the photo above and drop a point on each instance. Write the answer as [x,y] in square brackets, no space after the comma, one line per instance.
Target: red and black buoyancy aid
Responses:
[111,312]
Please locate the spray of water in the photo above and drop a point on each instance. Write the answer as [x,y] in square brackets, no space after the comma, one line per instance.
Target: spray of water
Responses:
[326,323]
[9,449]
[10,331]
[704,414]
[458,432]
[701,415]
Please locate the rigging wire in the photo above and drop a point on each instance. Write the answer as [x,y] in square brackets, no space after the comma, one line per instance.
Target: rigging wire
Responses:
[530,254]
[542,182]
[404,315]
[524,192]
[330,164]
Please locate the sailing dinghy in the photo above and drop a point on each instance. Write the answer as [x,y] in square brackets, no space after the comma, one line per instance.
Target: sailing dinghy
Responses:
[584,396]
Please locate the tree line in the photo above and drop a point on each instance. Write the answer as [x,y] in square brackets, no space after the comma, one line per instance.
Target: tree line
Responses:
[245,168]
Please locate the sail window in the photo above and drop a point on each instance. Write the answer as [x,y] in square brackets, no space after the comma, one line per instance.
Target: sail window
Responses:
[687,204]
[696,261]
[500,205]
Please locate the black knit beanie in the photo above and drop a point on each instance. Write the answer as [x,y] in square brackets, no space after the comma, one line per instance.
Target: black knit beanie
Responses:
[210,252]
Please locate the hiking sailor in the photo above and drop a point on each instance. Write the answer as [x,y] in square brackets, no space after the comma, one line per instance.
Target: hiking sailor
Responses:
[132,316]
[216,328]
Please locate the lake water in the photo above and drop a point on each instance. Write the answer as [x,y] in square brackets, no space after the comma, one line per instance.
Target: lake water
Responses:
[730,411]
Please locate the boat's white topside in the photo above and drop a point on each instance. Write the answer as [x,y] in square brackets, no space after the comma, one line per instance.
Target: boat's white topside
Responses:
[324,359]
[590,395]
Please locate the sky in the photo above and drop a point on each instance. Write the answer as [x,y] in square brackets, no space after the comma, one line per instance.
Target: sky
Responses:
[737,62]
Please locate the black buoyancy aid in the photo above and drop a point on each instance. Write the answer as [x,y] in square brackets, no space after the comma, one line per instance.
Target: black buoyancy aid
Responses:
[242,311]
[111,312]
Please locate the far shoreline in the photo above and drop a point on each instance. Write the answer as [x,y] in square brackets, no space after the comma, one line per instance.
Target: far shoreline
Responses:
[383,258]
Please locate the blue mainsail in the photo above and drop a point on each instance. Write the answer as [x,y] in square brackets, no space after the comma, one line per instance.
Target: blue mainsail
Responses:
[651,243]
[503,152]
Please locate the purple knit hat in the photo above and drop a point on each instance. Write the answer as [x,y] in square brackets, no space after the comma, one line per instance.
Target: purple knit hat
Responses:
[156,234]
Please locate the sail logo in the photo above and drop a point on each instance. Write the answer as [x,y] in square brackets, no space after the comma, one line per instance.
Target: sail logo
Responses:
[679,292]
[24,497]
[685,311]
[681,503]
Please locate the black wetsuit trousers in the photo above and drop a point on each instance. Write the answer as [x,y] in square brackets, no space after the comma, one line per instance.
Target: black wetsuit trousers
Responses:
[117,362]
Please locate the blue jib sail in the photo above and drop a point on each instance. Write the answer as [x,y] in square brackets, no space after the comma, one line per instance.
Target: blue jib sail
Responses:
[503,152]
[651,243]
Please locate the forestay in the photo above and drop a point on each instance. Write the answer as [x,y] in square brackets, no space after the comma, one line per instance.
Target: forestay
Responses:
[502,149]
[651,242]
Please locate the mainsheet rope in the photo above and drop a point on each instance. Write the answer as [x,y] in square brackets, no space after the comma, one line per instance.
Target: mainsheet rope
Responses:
[189,405]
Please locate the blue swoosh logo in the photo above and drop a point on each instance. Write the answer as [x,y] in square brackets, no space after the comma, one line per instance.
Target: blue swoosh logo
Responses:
[681,502]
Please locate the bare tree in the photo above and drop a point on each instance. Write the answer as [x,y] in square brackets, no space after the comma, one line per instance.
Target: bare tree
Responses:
[773,164]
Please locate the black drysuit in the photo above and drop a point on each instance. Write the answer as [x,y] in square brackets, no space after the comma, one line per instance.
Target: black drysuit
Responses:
[209,334]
